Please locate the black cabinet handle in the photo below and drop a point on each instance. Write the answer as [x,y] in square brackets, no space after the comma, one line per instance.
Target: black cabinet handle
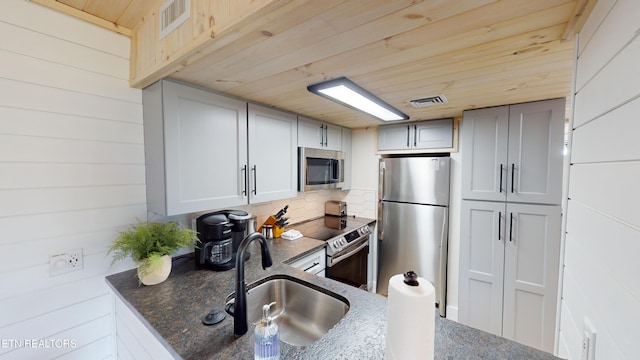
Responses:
[513,170]
[255,180]
[415,135]
[500,177]
[243,171]
[510,227]
[408,136]
[499,225]
[321,135]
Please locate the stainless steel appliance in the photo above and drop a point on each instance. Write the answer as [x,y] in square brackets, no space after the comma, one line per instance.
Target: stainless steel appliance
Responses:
[220,234]
[347,247]
[320,169]
[335,208]
[413,221]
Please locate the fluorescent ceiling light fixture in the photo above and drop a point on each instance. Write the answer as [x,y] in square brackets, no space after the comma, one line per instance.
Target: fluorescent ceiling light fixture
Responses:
[348,93]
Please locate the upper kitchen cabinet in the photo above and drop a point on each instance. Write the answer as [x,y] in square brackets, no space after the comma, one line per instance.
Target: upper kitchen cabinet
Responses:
[195,149]
[514,153]
[273,155]
[205,151]
[421,136]
[319,135]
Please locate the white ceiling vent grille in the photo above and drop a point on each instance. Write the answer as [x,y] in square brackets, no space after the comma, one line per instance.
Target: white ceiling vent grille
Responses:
[172,14]
[428,101]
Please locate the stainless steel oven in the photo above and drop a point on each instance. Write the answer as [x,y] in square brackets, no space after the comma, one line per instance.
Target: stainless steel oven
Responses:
[347,247]
[349,263]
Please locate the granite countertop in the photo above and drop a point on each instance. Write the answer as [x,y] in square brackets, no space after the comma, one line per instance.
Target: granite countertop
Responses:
[173,312]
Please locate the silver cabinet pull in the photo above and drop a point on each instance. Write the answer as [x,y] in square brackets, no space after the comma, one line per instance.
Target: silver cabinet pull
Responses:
[510,227]
[255,180]
[243,171]
[321,135]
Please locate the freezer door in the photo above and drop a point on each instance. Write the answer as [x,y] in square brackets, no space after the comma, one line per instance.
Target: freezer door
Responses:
[421,180]
[413,237]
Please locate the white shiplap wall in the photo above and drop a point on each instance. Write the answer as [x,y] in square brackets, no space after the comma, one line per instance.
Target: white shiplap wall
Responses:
[603,222]
[71,176]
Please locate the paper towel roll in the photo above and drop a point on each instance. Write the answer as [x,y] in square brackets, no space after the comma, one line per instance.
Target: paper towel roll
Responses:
[410,319]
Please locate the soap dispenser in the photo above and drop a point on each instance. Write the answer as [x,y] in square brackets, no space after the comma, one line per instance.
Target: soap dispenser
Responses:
[266,336]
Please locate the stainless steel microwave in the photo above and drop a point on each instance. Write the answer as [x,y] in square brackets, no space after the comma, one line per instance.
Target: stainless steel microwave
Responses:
[320,169]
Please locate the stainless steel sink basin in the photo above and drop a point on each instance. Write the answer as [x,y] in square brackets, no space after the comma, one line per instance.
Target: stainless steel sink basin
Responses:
[304,312]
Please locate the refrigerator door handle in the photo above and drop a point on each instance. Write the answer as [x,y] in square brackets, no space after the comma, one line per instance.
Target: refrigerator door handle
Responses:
[380,222]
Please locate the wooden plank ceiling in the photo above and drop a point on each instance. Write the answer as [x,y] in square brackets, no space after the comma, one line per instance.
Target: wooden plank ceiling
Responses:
[478,53]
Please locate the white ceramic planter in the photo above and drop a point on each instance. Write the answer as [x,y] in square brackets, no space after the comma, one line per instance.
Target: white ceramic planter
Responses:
[159,275]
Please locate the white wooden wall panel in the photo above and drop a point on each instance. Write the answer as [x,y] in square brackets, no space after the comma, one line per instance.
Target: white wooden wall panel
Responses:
[57,25]
[599,12]
[623,21]
[608,187]
[29,43]
[72,165]
[611,86]
[602,223]
[607,138]
[17,94]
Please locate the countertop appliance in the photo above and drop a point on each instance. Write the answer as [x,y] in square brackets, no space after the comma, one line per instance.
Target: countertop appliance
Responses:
[320,169]
[335,208]
[347,247]
[220,234]
[413,221]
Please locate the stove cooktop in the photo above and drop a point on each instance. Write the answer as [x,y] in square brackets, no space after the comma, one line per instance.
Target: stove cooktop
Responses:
[324,228]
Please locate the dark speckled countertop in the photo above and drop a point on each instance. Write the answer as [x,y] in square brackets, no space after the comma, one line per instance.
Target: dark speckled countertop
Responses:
[173,312]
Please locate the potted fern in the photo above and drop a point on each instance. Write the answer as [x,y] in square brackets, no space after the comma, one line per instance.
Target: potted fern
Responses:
[150,246]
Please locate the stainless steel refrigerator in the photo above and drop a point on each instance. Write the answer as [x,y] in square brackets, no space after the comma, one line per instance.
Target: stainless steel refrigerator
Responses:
[413,221]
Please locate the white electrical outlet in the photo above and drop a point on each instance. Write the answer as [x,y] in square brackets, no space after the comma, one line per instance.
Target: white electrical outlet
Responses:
[588,341]
[65,262]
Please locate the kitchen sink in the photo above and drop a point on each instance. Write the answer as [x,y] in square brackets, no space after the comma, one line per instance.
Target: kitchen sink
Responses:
[304,312]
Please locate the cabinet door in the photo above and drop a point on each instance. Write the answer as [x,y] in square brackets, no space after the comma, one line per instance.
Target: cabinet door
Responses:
[531,268]
[310,133]
[433,134]
[273,155]
[482,238]
[536,144]
[395,137]
[332,137]
[346,149]
[484,136]
[205,149]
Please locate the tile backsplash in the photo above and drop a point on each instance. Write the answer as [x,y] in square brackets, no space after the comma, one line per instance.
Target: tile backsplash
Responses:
[307,205]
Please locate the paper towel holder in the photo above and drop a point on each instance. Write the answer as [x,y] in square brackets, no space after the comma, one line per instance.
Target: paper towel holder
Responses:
[411,278]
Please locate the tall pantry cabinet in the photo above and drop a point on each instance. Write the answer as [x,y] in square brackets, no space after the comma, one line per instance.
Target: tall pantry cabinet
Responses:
[511,220]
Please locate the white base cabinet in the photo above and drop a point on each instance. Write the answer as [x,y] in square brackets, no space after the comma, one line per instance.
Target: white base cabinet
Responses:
[509,266]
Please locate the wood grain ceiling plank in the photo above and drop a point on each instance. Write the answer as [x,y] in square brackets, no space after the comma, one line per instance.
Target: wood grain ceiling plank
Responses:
[78,4]
[69,10]
[110,10]
[314,42]
[377,57]
[135,11]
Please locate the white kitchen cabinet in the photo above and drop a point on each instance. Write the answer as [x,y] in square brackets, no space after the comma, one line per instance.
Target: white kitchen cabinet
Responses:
[509,264]
[348,158]
[273,155]
[319,135]
[430,134]
[205,151]
[195,149]
[514,153]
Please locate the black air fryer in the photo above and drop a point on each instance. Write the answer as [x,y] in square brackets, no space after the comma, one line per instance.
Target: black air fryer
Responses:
[220,234]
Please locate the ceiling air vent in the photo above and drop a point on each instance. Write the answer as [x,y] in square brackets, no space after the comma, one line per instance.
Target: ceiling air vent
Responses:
[172,14]
[428,101]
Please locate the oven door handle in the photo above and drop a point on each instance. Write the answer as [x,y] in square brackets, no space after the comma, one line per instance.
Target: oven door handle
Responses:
[333,261]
